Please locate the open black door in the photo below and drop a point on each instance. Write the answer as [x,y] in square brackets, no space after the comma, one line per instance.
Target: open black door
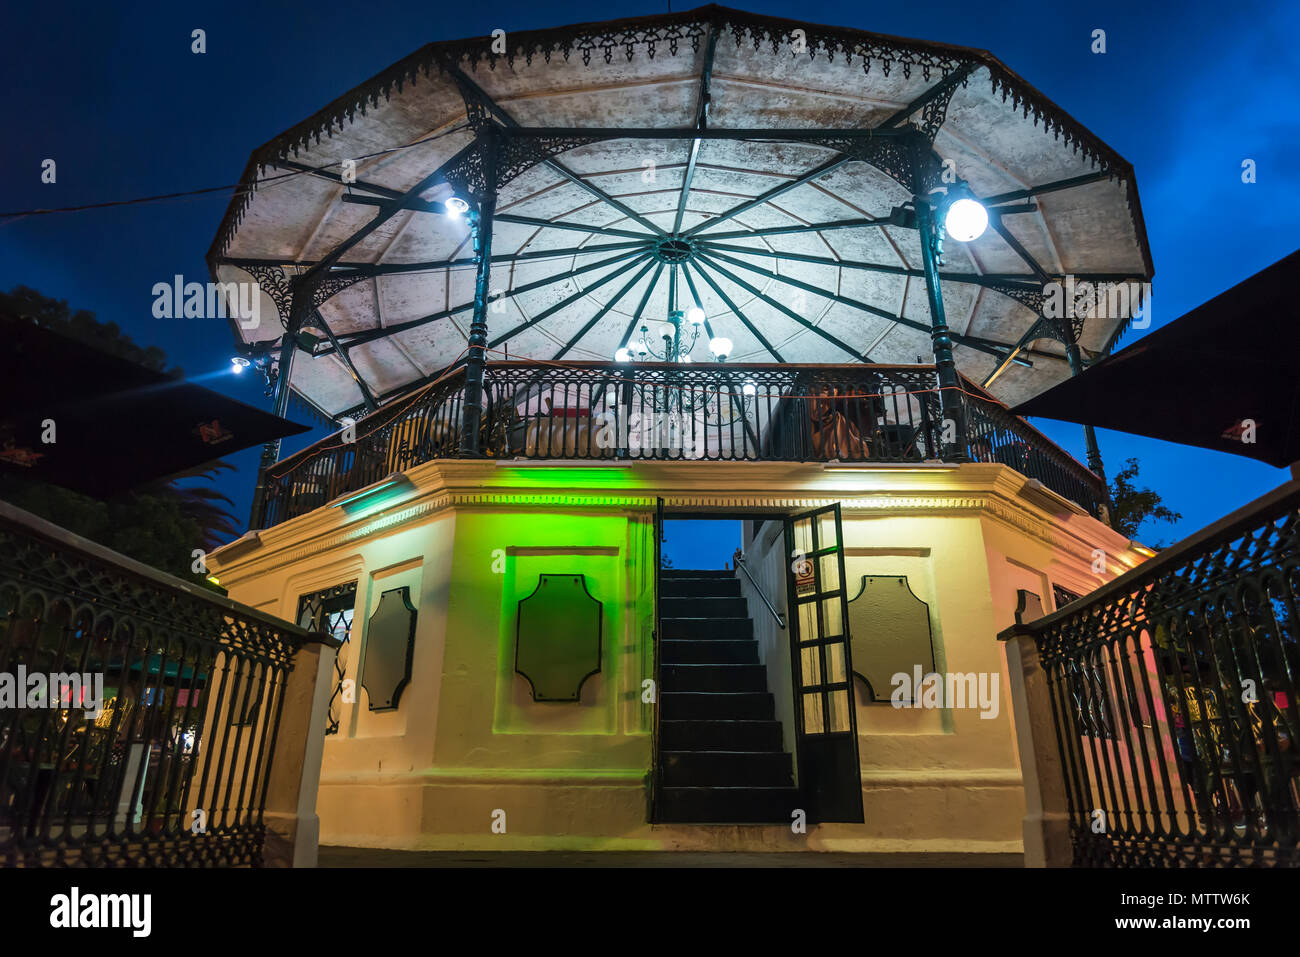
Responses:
[656,775]
[830,778]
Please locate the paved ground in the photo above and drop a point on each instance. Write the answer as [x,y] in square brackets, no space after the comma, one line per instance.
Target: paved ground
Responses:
[376,857]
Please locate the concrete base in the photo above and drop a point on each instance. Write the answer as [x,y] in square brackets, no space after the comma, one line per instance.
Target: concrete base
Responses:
[965,813]
[376,857]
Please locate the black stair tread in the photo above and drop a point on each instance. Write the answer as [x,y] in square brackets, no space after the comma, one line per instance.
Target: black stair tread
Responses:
[707,605]
[721,734]
[709,664]
[687,705]
[706,629]
[728,805]
[701,590]
[716,678]
[711,618]
[727,769]
[682,651]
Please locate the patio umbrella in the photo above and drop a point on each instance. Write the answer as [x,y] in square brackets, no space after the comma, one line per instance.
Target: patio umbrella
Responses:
[116,424]
[1219,377]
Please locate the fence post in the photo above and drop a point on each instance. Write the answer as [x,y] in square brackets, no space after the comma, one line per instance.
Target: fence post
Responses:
[1047,820]
[292,827]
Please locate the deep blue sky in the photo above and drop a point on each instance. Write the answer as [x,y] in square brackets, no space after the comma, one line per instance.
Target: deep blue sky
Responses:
[117,98]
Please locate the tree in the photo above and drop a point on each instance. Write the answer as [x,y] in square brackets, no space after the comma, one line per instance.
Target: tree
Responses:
[159,523]
[1132,505]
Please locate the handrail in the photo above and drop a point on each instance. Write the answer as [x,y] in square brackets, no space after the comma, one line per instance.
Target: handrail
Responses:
[1268,507]
[780,619]
[21,522]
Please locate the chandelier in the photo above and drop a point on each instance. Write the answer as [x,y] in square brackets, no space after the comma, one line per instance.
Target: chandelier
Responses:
[670,345]
[675,340]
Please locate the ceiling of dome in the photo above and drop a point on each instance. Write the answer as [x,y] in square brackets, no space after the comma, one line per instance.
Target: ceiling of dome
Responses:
[597,240]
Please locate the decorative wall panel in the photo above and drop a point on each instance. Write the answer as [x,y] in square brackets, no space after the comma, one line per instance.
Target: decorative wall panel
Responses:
[557,645]
[390,646]
[890,629]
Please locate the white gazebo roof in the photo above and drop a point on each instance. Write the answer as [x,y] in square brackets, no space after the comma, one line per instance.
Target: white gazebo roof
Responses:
[579,254]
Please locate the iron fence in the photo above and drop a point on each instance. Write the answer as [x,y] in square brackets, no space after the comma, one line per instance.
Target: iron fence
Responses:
[417,428]
[675,411]
[138,714]
[1173,692]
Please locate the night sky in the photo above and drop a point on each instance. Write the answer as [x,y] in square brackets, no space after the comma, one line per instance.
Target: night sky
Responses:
[118,100]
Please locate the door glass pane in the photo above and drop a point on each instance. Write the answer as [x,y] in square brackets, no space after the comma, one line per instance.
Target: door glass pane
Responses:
[839,716]
[826,537]
[812,713]
[832,621]
[828,568]
[835,663]
[808,630]
[803,535]
[811,665]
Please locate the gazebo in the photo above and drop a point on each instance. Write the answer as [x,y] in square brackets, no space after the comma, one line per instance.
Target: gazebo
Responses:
[553,284]
[543,195]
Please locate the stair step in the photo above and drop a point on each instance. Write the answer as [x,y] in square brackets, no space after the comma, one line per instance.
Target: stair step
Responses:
[728,805]
[699,588]
[720,736]
[711,769]
[716,652]
[706,629]
[713,678]
[733,607]
[694,705]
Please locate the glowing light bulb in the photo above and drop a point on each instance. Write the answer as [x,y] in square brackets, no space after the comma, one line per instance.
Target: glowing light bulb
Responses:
[966,220]
[695,315]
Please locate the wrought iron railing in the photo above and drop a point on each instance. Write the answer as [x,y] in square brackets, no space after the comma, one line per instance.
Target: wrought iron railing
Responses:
[159,753]
[1173,694]
[417,428]
[672,411]
[993,434]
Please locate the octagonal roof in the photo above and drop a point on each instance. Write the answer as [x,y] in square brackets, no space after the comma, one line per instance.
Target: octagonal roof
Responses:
[778,250]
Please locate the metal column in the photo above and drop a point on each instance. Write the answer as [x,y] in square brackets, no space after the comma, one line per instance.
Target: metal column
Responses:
[288,346]
[950,394]
[477,357]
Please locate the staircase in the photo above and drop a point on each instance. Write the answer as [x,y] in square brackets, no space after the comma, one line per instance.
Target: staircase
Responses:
[721,759]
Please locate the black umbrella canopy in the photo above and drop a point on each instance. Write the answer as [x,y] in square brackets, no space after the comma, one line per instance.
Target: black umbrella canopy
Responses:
[1220,377]
[115,424]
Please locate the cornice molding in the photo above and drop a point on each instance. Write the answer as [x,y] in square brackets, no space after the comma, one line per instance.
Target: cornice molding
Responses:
[981,489]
